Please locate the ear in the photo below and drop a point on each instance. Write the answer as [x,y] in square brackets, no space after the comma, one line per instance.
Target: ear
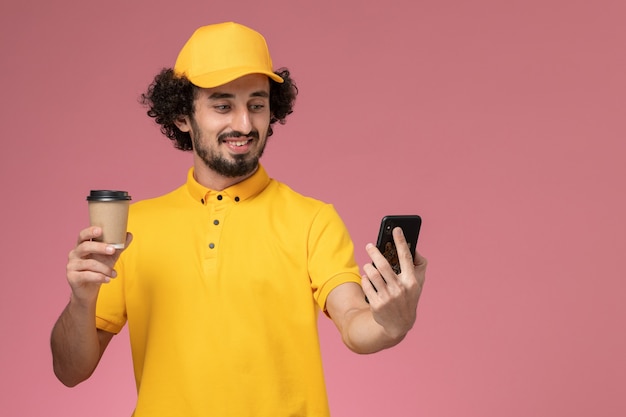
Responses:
[182,123]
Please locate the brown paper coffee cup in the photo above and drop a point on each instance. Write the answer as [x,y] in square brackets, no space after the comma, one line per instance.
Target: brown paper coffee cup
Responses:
[108,209]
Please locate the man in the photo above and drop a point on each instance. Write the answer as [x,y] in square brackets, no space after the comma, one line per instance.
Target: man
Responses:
[225,276]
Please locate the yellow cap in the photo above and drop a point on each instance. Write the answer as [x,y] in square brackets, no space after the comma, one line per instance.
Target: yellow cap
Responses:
[220,53]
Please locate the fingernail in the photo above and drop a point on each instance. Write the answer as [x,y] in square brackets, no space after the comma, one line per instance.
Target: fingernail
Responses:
[110,249]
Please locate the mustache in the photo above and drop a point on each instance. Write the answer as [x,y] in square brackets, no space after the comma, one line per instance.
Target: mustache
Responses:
[235,134]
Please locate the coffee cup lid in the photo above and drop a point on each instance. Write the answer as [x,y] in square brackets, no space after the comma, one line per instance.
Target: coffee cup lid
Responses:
[108,195]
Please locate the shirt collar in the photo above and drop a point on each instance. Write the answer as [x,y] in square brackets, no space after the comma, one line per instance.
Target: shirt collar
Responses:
[241,191]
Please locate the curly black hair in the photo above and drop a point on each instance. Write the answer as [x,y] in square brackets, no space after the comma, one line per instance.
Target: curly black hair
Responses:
[171,96]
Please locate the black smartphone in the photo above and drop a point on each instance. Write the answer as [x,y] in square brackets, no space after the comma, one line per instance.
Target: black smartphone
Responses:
[410,225]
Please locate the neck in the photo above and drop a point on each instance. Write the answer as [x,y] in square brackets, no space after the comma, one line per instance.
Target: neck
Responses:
[215,181]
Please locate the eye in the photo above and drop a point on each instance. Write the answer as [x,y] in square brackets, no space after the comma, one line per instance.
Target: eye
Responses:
[257,107]
[222,107]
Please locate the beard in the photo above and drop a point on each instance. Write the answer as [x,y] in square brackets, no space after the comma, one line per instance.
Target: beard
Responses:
[242,165]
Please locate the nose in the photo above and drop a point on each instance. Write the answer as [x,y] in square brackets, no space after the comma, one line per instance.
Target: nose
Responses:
[241,121]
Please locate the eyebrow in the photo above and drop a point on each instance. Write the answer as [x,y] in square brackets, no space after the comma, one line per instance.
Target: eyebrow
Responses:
[218,95]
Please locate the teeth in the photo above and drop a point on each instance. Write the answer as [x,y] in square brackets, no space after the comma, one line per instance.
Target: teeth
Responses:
[239,143]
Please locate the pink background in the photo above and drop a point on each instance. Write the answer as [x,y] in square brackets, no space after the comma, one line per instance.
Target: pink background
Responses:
[500,122]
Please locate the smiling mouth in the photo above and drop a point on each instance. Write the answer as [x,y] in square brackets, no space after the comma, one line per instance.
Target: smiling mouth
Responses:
[238,142]
[239,146]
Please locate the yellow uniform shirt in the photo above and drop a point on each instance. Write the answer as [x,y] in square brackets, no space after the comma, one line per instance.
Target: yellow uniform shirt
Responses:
[221,292]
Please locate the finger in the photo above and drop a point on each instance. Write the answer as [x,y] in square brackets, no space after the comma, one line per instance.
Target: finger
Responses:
[368,288]
[91,265]
[78,279]
[420,268]
[89,248]
[81,278]
[382,268]
[380,283]
[129,238]
[419,260]
[405,257]
[89,233]
[93,275]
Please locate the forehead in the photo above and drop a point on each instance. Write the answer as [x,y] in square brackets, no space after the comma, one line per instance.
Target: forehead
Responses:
[246,86]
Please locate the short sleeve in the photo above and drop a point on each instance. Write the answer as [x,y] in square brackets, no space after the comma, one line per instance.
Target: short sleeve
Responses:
[331,255]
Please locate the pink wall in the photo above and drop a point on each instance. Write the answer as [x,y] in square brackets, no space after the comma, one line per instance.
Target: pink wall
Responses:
[500,122]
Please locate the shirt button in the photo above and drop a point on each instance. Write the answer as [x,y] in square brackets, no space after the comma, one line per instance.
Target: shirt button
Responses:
[219,197]
[211,245]
[236,198]
[216,222]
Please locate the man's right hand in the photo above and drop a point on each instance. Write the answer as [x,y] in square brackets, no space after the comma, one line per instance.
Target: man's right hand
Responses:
[77,345]
[90,264]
